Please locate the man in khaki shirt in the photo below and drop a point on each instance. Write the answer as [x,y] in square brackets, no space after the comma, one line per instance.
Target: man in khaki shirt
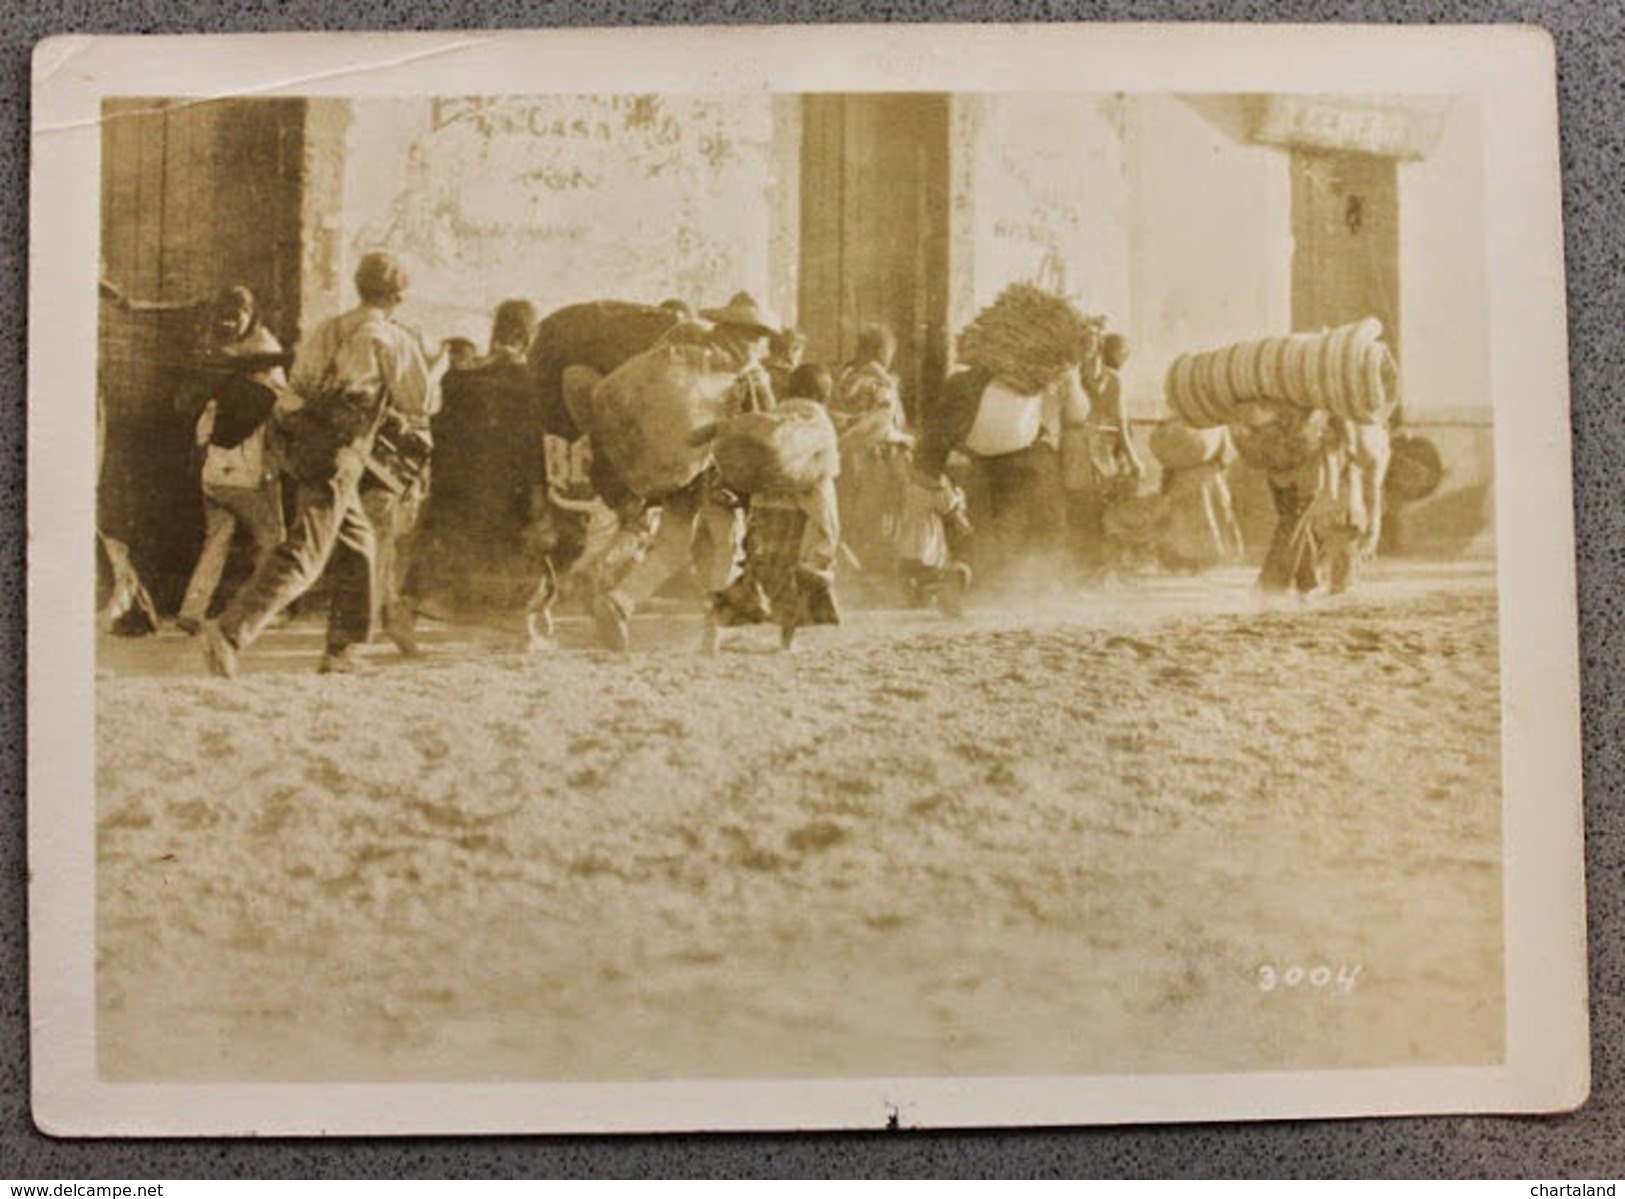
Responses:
[373,362]
[367,346]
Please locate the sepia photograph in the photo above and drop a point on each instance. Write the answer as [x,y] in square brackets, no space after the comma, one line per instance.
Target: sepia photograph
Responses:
[881,573]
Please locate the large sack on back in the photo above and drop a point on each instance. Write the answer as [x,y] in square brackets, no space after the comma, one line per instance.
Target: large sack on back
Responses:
[1177,446]
[645,415]
[1415,468]
[599,336]
[791,447]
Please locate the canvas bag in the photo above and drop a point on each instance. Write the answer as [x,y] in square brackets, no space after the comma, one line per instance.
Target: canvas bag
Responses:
[343,412]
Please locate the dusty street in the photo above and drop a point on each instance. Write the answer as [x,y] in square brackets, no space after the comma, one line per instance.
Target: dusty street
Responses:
[1099,835]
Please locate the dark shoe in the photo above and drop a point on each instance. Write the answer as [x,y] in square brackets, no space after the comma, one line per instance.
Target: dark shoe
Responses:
[342,661]
[219,654]
[611,623]
[189,626]
[741,602]
[817,599]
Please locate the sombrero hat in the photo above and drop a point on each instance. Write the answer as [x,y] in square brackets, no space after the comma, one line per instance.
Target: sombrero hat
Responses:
[742,312]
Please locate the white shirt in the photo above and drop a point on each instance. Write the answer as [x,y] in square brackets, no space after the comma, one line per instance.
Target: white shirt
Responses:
[1006,421]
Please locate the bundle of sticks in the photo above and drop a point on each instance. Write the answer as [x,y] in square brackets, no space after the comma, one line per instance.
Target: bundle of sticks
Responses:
[1027,337]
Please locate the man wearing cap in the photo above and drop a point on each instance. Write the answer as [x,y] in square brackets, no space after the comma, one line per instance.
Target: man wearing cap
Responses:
[737,335]
[344,376]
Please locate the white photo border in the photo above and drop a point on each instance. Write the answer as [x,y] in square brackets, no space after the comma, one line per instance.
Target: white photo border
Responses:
[1511,70]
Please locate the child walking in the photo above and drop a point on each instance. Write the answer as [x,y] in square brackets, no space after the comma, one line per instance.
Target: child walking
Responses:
[931,521]
[788,571]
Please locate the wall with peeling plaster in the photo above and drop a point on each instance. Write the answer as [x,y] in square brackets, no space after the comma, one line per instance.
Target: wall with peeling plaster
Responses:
[559,199]
[1097,197]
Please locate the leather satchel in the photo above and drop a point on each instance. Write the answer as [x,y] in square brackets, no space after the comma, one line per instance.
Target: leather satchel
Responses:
[400,454]
[307,440]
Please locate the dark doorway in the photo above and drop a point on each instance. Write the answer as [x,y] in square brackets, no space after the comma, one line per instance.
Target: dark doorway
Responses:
[874,229]
[196,196]
[1345,228]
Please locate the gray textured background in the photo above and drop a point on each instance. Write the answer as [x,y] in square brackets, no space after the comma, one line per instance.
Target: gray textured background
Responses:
[1591,68]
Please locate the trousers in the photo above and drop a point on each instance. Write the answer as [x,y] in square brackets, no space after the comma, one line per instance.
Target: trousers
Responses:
[1028,516]
[394,518]
[331,534]
[258,509]
[1293,560]
[670,549]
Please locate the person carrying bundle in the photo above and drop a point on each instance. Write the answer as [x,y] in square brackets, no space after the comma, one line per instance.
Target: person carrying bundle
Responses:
[352,370]
[932,524]
[663,534]
[786,460]
[1311,410]
[575,509]
[1005,410]
[240,481]
[1325,475]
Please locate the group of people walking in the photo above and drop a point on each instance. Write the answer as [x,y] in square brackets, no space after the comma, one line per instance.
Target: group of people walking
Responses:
[346,419]
[349,418]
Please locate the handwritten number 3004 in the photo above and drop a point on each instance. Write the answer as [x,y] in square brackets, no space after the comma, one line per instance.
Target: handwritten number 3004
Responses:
[1315,978]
